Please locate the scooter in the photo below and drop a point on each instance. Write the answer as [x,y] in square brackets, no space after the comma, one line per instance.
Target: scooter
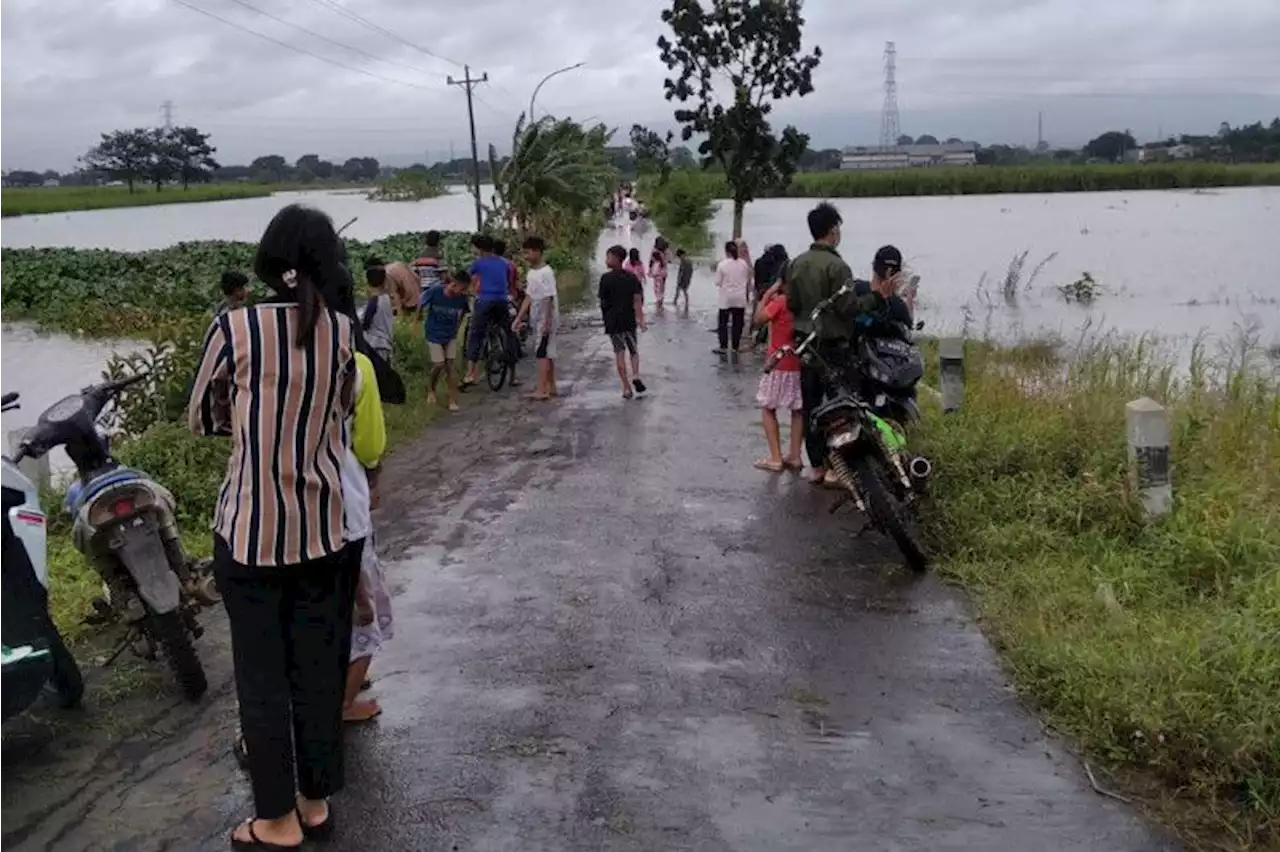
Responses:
[124,524]
[34,653]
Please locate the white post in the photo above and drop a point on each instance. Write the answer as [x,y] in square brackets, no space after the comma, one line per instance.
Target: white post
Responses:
[37,470]
[1147,427]
[951,372]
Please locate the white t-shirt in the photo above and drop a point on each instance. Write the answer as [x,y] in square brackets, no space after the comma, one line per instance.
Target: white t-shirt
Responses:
[541,283]
[356,501]
[733,279]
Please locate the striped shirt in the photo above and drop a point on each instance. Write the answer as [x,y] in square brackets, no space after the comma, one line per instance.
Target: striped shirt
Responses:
[281,501]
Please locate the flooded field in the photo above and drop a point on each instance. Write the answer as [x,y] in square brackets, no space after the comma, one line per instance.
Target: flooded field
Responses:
[1182,265]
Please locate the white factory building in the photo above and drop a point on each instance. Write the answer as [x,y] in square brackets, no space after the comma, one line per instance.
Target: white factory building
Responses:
[874,157]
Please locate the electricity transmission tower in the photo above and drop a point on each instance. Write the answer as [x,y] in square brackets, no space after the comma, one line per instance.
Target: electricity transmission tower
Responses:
[166,110]
[890,127]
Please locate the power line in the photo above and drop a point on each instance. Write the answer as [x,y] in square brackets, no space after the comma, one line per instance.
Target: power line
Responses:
[323,37]
[297,49]
[347,13]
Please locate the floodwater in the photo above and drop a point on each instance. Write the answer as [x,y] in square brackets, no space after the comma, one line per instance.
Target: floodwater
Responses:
[1179,264]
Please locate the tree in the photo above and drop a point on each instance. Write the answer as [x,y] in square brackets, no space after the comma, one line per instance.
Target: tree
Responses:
[1111,146]
[22,178]
[122,154]
[191,154]
[905,139]
[954,140]
[163,158]
[270,169]
[926,139]
[755,47]
[322,169]
[360,168]
[652,152]
[826,160]
[682,157]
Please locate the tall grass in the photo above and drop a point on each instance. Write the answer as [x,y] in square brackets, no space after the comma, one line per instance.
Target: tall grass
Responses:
[1155,645]
[984,180]
[60,199]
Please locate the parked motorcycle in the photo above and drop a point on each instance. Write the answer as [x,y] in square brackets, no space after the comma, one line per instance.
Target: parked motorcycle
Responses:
[867,405]
[34,653]
[124,524]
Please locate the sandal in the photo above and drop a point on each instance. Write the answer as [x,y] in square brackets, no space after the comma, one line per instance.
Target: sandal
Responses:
[769,465]
[241,751]
[793,464]
[321,831]
[256,842]
[627,394]
[361,711]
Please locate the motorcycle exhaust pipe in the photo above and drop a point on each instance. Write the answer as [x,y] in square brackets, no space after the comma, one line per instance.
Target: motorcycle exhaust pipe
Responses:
[920,468]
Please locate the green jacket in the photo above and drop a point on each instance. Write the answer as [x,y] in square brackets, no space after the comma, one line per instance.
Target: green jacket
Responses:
[813,276]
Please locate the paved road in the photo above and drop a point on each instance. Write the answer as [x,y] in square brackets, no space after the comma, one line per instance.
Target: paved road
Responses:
[614,634]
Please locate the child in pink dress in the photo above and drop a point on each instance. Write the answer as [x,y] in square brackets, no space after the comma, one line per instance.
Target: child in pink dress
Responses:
[780,388]
[658,274]
[635,266]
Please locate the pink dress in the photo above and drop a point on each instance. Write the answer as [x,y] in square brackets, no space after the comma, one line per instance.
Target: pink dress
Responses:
[636,269]
[658,272]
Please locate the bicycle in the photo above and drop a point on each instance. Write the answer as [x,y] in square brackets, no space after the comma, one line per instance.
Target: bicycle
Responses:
[497,357]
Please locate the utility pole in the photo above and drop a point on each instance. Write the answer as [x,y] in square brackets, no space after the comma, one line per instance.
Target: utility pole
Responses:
[166,110]
[468,83]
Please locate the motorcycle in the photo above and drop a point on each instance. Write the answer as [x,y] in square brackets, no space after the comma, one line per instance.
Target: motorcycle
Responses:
[862,418]
[34,654]
[124,525]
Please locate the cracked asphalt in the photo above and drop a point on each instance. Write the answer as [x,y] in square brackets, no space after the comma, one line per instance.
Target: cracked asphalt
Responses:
[613,634]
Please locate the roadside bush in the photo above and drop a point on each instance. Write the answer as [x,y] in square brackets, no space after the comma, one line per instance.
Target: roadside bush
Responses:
[681,207]
[1156,645]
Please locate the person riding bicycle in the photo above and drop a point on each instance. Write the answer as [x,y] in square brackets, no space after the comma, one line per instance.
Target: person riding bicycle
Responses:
[490,277]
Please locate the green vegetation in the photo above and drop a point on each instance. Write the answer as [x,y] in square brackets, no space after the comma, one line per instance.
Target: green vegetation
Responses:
[408,186]
[983,180]
[60,199]
[680,205]
[1155,645]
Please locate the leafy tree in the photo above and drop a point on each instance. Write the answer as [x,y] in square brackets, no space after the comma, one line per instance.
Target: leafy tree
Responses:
[190,154]
[322,169]
[23,178]
[954,140]
[682,157]
[123,155]
[360,168]
[753,46]
[652,152]
[270,169]
[1111,146]
[926,139]
[163,159]
[905,139]
[825,160]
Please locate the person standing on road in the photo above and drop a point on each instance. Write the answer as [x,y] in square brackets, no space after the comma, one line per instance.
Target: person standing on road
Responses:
[814,276]
[636,267]
[280,557]
[444,306]
[733,280]
[490,276]
[780,386]
[658,275]
[377,320]
[622,303]
[541,307]
[684,277]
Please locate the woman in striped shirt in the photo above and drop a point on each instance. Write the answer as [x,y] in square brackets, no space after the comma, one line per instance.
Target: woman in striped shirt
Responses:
[279,554]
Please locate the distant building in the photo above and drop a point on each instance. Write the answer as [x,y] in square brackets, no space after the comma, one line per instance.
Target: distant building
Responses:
[1158,153]
[874,158]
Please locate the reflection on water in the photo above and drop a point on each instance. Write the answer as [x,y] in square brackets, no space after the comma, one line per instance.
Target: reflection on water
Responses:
[46,367]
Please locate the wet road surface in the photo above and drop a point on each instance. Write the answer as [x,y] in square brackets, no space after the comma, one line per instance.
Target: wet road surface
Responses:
[613,634]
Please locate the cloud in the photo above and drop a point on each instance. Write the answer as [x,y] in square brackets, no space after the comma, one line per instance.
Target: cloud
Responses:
[377,86]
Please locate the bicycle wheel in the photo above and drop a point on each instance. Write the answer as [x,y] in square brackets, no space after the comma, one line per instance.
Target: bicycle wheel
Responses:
[496,362]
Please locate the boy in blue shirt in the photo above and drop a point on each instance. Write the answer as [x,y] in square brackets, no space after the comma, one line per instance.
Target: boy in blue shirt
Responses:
[490,274]
[444,306]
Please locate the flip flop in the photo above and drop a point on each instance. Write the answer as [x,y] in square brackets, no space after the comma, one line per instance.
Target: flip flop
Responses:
[256,842]
[321,831]
[769,465]
[792,464]
[363,716]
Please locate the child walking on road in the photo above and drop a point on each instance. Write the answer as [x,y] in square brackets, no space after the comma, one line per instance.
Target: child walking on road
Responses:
[622,304]
[541,307]
[444,306]
[780,388]
[684,277]
[658,275]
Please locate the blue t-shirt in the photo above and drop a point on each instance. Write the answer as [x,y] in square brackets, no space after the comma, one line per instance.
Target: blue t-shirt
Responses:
[444,313]
[492,272]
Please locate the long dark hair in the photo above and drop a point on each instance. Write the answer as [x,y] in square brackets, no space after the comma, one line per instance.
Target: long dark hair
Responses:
[731,249]
[300,243]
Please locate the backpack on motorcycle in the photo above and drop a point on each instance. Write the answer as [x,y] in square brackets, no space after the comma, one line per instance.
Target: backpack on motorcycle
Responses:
[894,365]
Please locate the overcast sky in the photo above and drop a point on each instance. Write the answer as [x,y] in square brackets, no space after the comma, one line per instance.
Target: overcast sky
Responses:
[978,69]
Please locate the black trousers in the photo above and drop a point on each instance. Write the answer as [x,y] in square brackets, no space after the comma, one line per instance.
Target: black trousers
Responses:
[735,318]
[288,635]
[813,391]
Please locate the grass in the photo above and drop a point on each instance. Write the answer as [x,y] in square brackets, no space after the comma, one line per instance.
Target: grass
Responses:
[1155,645]
[61,199]
[983,180]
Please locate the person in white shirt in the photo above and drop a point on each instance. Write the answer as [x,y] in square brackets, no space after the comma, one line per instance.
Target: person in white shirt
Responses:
[733,281]
[541,309]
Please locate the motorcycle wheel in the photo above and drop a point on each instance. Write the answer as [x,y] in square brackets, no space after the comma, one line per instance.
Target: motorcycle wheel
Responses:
[888,513]
[170,633]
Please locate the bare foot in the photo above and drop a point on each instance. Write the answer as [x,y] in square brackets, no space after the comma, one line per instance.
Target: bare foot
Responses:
[537,397]
[793,463]
[453,406]
[818,475]
[361,710]
[769,465]
[431,398]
